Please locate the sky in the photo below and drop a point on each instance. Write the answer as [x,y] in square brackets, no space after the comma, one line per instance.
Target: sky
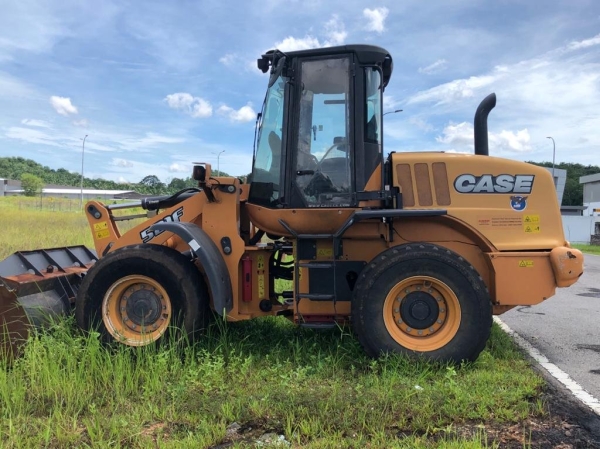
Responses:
[159,85]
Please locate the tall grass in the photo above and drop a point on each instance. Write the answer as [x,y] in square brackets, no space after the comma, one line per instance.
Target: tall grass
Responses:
[317,389]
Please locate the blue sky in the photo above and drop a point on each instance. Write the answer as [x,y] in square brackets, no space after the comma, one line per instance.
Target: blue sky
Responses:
[158,85]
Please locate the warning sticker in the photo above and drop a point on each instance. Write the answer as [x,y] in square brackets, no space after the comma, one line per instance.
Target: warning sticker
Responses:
[261,286]
[260,263]
[324,252]
[100,225]
[499,223]
[531,228]
[525,263]
[531,219]
[102,234]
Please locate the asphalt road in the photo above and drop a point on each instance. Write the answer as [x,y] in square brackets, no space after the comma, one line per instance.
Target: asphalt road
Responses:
[566,327]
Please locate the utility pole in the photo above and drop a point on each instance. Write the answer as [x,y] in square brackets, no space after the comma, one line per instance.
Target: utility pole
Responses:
[553,155]
[82,153]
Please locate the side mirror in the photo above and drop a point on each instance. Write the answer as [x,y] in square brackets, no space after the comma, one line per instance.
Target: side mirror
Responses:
[276,70]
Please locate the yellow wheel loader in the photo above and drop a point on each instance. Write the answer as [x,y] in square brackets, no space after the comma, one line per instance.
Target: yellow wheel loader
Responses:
[415,250]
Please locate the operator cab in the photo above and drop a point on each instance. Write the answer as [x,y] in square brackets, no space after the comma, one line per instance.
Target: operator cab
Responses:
[319,141]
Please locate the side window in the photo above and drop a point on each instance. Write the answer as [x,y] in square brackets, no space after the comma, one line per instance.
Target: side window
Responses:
[373,106]
[323,159]
[372,131]
[266,172]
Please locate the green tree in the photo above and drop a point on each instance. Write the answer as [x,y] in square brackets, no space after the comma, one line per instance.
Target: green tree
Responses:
[573,195]
[31,184]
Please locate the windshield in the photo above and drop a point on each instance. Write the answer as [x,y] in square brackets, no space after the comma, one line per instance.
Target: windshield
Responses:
[267,170]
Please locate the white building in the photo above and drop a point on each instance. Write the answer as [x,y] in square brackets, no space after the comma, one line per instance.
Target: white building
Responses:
[560,180]
[9,187]
[591,194]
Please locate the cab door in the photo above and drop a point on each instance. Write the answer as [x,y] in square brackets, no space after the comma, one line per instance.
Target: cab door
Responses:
[321,154]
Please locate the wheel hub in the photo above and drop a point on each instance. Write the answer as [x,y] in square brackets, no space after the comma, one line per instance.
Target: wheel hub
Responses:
[143,306]
[419,310]
[136,310]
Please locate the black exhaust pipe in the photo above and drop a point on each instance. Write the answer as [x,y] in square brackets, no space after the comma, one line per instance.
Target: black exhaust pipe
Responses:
[480,124]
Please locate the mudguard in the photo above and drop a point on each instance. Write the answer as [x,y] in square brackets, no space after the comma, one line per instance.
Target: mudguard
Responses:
[210,258]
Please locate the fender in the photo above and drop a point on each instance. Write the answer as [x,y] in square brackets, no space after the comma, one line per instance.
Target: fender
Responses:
[210,258]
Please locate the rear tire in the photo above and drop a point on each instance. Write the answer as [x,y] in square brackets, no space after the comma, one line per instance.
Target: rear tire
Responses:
[143,293]
[422,300]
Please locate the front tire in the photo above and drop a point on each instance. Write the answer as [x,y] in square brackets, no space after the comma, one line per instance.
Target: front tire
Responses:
[139,294]
[422,299]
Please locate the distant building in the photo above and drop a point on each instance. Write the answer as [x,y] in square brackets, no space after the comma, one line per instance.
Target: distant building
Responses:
[560,180]
[572,210]
[9,187]
[591,194]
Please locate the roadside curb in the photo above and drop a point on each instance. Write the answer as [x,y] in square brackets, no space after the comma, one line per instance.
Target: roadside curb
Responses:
[577,390]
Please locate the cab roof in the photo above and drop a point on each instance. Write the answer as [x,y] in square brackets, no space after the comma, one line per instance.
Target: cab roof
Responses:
[366,54]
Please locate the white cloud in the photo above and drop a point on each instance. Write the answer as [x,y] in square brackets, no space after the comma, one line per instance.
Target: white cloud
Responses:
[150,140]
[194,106]
[576,45]
[229,59]
[14,87]
[508,141]
[35,123]
[461,137]
[293,44]
[180,100]
[122,180]
[118,162]
[454,90]
[242,115]
[436,67]
[63,105]
[32,136]
[335,31]
[83,123]
[376,18]
[179,168]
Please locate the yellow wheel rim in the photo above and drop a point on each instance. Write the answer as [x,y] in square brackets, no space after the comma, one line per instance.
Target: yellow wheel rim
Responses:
[136,310]
[421,313]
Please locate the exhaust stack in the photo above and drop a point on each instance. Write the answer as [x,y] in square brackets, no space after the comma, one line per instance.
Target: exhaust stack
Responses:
[480,124]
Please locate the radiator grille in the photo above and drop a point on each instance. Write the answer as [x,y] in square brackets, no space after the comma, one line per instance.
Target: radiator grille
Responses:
[422,184]
[406,185]
[440,181]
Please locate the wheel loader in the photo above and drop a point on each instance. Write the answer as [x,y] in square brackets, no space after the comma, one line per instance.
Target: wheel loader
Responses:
[415,250]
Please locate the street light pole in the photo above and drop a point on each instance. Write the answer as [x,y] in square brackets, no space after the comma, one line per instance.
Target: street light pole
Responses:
[392,112]
[553,154]
[82,153]
[218,166]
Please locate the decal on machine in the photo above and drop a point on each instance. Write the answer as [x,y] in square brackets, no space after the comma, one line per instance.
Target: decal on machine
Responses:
[518,202]
[101,230]
[147,234]
[468,183]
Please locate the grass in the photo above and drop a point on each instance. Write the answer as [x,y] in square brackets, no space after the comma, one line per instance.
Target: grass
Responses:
[317,389]
[591,249]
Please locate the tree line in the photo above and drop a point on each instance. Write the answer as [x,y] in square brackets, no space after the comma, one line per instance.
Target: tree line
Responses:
[16,167]
[34,176]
